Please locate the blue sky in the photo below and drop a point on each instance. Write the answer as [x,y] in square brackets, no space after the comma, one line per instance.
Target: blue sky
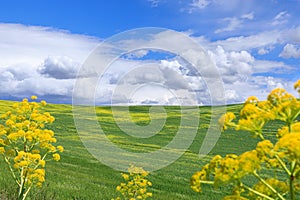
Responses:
[104,18]
[254,44]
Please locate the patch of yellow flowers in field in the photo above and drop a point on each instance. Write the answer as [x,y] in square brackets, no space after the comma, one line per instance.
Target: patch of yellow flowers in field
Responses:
[25,143]
[268,159]
[135,185]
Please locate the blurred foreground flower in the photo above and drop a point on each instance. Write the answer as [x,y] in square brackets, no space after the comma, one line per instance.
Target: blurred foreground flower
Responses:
[25,144]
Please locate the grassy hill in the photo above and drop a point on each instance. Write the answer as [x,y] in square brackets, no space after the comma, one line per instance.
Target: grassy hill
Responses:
[80,176]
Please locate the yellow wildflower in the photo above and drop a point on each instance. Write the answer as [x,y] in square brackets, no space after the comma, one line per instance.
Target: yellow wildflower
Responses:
[252,100]
[33,97]
[60,148]
[2,150]
[56,157]
[42,163]
[297,86]
[226,120]
[43,103]
[136,184]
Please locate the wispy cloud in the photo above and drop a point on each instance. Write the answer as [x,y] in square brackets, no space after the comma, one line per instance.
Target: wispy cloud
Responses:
[249,16]
[234,23]
[154,3]
[256,41]
[280,18]
[32,44]
[199,4]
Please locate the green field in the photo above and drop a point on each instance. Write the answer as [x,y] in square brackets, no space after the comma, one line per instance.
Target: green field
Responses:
[80,176]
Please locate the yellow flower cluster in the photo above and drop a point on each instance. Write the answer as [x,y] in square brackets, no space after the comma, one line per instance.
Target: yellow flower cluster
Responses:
[36,176]
[29,163]
[294,128]
[280,105]
[228,169]
[297,86]
[25,143]
[25,160]
[226,120]
[136,184]
[283,155]
[289,146]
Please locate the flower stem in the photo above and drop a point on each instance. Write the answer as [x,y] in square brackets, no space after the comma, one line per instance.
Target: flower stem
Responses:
[291,178]
[261,136]
[268,185]
[26,193]
[208,182]
[283,165]
[257,193]
[11,170]
[21,187]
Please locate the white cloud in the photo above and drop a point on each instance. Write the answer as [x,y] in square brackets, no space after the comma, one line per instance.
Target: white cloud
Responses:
[239,71]
[61,67]
[45,86]
[36,60]
[137,54]
[233,65]
[216,6]
[249,16]
[234,23]
[281,18]
[260,40]
[32,44]
[200,4]
[154,3]
[232,96]
[265,50]
[158,81]
[264,66]
[44,61]
[258,86]
[290,51]
[292,35]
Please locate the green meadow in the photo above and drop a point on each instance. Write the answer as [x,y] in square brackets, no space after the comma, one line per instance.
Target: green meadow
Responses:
[78,175]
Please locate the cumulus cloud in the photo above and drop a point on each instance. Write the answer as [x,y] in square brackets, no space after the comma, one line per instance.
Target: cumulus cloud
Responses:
[233,65]
[290,51]
[45,61]
[150,83]
[265,50]
[292,35]
[45,86]
[243,75]
[232,96]
[174,80]
[59,68]
[39,60]
[11,85]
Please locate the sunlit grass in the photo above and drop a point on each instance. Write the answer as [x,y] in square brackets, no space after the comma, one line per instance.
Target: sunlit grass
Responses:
[80,176]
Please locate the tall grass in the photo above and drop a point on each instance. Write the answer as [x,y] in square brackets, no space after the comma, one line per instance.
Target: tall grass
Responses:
[80,176]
